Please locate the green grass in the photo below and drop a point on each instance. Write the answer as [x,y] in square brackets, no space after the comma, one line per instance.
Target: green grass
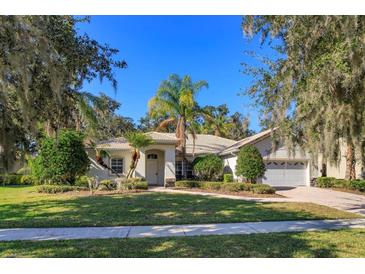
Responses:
[23,207]
[343,243]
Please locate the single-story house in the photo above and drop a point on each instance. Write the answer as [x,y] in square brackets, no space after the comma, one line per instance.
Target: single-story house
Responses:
[161,164]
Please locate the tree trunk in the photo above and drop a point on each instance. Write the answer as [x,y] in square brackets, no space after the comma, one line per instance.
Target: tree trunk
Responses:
[350,162]
[183,144]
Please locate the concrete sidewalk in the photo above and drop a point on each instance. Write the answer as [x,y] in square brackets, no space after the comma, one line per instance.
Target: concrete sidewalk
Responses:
[42,234]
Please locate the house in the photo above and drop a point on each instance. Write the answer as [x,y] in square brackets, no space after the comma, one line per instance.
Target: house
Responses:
[161,164]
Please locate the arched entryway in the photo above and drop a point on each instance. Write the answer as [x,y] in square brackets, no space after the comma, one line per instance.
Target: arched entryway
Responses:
[155,167]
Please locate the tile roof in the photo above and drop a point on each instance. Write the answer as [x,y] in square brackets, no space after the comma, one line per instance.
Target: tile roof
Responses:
[122,143]
[237,145]
[205,143]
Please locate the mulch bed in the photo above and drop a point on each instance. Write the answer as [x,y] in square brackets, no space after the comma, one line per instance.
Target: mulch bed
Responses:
[241,193]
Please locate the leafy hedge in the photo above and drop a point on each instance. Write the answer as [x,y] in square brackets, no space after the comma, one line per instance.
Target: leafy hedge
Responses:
[53,189]
[188,184]
[107,185]
[227,187]
[228,178]
[137,185]
[331,182]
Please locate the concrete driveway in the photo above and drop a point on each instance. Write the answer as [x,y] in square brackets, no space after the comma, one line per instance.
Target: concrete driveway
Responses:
[340,200]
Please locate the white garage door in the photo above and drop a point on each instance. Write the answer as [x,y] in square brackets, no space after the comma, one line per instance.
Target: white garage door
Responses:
[285,173]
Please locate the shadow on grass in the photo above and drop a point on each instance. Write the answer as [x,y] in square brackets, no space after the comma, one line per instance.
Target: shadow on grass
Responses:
[345,243]
[149,209]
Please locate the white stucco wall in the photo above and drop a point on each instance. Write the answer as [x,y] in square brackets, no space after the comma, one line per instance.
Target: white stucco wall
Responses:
[166,166]
[267,151]
[102,173]
[170,163]
[338,170]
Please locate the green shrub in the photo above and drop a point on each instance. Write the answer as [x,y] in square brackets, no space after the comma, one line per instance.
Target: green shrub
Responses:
[28,180]
[358,185]
[52,189]
[250,164]
[62,159]
[82,181]
[208,167]
[262,189]
[11,179]
[107,185]
[188,184]
[247,187]
[139,185]
[211,185]
[232,187]
[227,178]
[325,182]
[340,183]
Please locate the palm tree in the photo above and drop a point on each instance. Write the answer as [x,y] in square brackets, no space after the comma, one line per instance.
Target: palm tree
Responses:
[175,99]
[216,120]
[137,140]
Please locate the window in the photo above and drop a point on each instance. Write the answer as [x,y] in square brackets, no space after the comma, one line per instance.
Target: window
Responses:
[117,165]
[183,168]
[152,156]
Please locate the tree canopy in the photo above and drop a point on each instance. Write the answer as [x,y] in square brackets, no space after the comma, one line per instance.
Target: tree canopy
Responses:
[314,89]
[43,65]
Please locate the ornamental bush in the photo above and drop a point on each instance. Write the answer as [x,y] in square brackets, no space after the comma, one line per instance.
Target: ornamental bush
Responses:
[62,159]
[137,185]
[211,185]
[358,185]
[232,187]
[228,178]
[263,189]
[208,167]
[52,189]
[325,182]
[250,164]
[107,185]
[187,184]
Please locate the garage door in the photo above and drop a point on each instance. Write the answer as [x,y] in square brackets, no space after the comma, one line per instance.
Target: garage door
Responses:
[285,173]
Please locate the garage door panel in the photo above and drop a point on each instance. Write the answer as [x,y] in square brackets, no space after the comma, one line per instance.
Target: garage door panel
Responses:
[285,173]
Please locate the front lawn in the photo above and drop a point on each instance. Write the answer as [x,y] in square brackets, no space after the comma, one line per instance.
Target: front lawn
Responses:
[343,243]
[23,207]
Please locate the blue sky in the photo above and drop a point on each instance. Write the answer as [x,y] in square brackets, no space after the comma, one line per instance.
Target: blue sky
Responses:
[207,48]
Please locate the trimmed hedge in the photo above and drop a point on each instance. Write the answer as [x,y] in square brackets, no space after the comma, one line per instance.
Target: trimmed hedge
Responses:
[331,182]
[358,185]
[82,181]
[137,185]
[262,189]
[325,182]
[188,184]
[232,187]
[211,185]
[228,187]
[227,178]
[53,189]
[107,185]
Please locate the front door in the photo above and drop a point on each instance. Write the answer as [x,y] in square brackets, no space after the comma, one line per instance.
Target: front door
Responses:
[152,169]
